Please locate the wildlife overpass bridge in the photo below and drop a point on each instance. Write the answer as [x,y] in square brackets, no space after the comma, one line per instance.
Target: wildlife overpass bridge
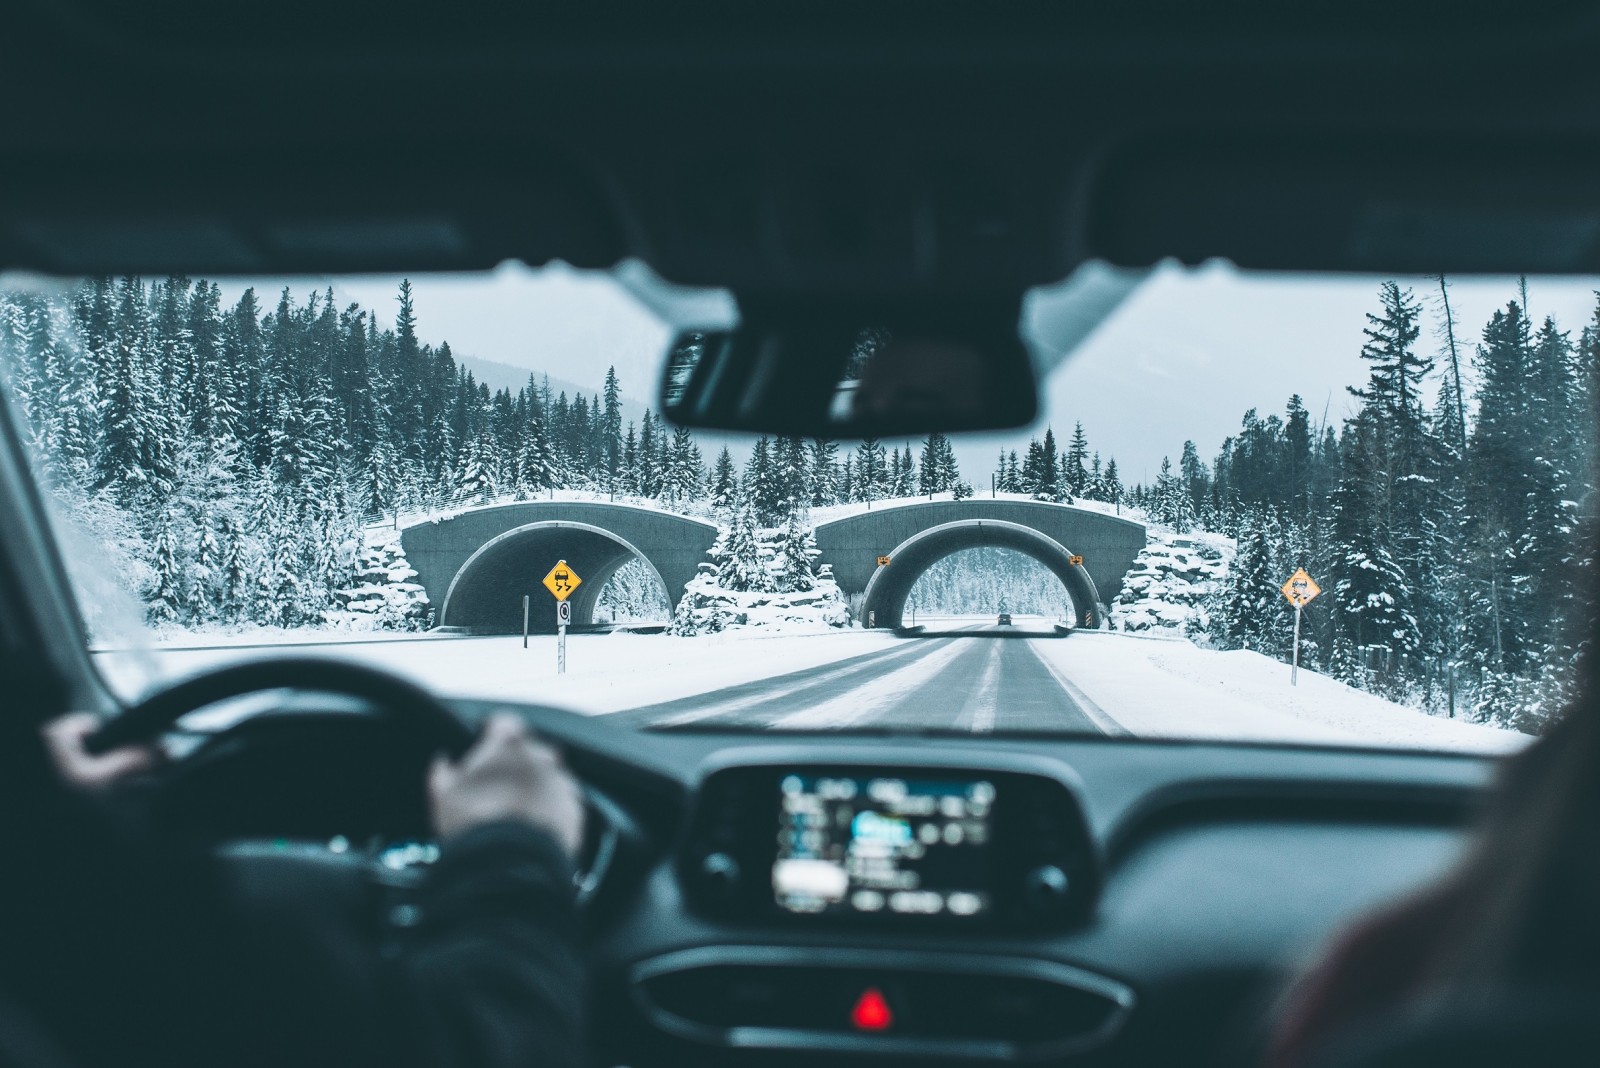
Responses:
[1087,550]
[478,564]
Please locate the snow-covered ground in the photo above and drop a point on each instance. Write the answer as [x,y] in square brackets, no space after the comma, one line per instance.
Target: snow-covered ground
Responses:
[467,502]
[1170,688]
[605,672]
[842,511]
[1151,687]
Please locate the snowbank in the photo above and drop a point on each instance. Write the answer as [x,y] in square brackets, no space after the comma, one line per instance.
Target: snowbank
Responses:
[1170,688]
[844,511]
[708,608]
[699,508]
[605,672]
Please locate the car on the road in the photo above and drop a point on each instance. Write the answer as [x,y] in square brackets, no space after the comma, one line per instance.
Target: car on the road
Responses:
[943,303]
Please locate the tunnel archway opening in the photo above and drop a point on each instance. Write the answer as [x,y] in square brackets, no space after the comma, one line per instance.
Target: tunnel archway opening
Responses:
[485,596]
[634,594]
[883,603]
[985,581]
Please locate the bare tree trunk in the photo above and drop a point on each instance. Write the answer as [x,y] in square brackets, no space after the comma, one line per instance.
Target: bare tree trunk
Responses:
[1455,360]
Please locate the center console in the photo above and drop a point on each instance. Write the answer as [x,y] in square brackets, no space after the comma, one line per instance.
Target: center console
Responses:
[807,853]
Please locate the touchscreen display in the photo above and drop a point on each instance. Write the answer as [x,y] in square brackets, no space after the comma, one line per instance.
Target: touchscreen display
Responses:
[883,845]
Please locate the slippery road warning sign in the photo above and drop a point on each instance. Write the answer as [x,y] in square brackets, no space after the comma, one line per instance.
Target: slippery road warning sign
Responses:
[562,580]
[1301,588]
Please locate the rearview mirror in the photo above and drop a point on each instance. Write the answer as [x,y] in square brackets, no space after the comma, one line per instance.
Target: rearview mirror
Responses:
[851,373]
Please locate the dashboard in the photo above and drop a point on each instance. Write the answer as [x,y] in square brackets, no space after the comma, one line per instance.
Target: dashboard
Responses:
[768,898]
[1137,902]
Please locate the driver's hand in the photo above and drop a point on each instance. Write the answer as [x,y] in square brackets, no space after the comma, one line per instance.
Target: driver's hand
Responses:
[64,739]
[507,775]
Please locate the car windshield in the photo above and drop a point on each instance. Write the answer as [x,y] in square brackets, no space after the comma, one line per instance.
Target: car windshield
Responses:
[1329,510]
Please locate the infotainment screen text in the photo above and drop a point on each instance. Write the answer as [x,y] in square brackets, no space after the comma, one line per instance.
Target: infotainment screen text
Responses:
[883,845]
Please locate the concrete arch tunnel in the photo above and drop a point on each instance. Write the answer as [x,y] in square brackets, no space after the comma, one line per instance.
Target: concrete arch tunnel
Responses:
[478,565]
[477,598]
[916,534]
[884,599]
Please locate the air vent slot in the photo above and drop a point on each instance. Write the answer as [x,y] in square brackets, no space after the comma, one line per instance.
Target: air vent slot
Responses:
[780,998]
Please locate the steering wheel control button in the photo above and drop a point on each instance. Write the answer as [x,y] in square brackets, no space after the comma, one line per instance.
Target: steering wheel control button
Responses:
[1047,889]
[871,1011]
[720,876]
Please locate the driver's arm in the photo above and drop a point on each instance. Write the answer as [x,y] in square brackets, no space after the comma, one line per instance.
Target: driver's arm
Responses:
[491,973]
[488,976]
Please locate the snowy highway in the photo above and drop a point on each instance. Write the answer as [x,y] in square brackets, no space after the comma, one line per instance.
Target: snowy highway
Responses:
[961,673]
[971,678]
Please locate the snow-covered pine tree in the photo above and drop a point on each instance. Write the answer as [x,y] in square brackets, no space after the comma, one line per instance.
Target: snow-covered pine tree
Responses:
[611,428]
[1196,479]
[475,479]
[235,582]
[684,477]
[794,568]
[1172,504]
[902,480]
[745,567]
[1249,609]
[724,482]
[1114,488]
[1040,473]
[166,599]
[824,473]
[1075,471]
[871,471]
[204,600]
[1371,587]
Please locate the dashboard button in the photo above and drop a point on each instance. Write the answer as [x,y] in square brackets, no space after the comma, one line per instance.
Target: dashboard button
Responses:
[720,875]
[1047,889]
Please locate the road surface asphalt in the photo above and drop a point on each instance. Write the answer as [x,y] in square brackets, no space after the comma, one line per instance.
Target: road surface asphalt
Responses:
[968,678]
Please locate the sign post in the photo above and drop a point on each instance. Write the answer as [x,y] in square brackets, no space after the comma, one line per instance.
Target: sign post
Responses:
[524,621]
[561,582]
[1299,590]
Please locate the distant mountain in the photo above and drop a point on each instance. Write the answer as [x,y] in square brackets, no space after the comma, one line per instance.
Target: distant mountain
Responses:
[498,376]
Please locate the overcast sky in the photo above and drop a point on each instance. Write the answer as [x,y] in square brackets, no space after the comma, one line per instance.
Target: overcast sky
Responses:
[1182,358]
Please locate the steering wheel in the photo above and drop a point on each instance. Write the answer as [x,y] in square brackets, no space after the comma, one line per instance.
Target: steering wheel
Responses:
[412,708]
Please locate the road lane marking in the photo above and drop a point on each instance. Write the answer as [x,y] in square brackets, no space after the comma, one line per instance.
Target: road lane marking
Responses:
[749,702]
[1097,715]
[875,695]
[983,703]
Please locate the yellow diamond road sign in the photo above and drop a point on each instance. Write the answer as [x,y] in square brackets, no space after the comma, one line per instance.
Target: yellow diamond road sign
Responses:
[562,580]
[1300,588]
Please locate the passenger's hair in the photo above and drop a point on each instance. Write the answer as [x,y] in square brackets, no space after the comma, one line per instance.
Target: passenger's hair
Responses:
[1526,899]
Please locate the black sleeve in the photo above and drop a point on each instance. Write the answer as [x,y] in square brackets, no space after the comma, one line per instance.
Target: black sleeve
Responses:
[491,976]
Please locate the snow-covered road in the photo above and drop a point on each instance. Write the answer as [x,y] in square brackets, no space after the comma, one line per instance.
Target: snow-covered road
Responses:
[966,675]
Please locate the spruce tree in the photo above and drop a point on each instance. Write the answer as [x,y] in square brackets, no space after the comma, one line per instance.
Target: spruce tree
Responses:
[745,569]
[1075,472]
[795,566]
[824,473]
[724,483]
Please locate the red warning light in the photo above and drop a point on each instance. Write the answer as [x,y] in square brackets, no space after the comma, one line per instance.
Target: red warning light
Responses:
[872,1011]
